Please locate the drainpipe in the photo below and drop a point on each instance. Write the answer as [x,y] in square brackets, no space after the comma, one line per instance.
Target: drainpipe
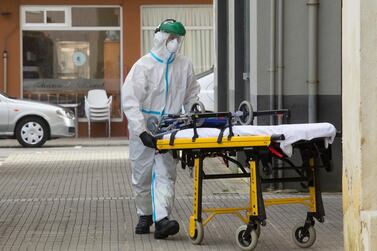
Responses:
[280,68]
[231,57]
[272,58]
[280,63]
[313,59]
[5,70]
[272,70]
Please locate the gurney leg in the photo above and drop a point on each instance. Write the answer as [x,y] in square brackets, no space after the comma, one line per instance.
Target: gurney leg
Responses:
[316,205]
[319,211]
[247,235]
[305,236]
[257,212]
[196,230]
[253,190]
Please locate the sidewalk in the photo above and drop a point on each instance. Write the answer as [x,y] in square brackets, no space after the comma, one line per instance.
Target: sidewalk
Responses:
[80,198]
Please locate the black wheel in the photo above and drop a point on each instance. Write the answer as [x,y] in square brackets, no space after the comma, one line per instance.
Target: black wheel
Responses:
[32,132]
[302,238]
[199,234]
[245,241]
[198,107]
[247,116]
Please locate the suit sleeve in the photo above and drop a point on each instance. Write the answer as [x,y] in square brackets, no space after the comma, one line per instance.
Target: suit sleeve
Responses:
[133,95]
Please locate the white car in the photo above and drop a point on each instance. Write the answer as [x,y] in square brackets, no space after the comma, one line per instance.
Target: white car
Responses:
[32,123]
[206,95]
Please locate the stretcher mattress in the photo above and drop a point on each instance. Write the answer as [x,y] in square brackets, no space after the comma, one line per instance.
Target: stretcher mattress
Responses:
[292,133]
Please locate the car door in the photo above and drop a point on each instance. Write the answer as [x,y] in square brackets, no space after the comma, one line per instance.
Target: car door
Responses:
[4,119]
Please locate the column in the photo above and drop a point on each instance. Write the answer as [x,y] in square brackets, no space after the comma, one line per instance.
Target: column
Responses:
[359,100]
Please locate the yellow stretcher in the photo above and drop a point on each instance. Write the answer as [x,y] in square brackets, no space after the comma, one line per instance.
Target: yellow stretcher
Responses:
[195,150]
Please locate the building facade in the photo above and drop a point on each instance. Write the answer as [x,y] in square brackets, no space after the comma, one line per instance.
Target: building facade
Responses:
[56,51]
[282,55]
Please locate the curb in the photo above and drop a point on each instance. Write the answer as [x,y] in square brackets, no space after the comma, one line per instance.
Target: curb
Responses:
[71,142]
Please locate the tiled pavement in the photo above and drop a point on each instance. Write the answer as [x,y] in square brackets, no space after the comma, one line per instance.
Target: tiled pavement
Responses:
[80,199]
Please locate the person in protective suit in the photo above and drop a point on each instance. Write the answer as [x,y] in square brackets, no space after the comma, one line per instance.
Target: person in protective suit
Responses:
[161,82]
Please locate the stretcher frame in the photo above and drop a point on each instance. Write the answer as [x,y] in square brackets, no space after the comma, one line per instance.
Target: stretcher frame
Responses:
[197,149]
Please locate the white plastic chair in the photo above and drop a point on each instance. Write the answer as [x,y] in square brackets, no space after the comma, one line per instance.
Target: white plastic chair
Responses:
[98,108]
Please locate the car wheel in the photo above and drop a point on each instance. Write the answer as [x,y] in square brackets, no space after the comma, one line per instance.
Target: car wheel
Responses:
[32,132]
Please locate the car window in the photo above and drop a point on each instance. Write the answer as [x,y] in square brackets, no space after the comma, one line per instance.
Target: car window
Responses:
[5,95]
[2,93]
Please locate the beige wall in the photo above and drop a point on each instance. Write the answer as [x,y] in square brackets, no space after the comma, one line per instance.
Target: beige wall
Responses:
[359,124]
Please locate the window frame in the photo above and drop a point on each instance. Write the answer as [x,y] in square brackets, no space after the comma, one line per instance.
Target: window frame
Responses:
[152,28]
[68,26]
[44,9]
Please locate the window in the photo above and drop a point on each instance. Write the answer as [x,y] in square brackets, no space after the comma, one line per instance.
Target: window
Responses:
[35,17]
[198,20]
[62,63]
[54,16]
[89,16]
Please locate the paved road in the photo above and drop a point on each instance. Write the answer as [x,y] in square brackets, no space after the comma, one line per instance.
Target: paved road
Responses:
[79,198]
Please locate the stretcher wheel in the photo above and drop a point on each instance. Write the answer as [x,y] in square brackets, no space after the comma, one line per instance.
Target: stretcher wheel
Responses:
[199,233]
[244,241]
[248,113]
[197,107]
[303,239]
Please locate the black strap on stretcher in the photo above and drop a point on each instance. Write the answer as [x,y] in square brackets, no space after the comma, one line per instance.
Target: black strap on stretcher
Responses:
[195,118]
[221,134]
[172,138]
[194,128]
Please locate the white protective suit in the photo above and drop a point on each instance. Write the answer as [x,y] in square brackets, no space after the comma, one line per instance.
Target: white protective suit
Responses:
[159,83]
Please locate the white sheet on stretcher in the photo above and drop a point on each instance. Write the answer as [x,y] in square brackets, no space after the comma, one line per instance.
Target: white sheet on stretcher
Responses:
[292,133]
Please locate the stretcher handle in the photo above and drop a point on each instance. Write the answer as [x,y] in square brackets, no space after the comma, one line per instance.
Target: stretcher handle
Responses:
[272,112]
[174,116]
[212,115]
[276,137]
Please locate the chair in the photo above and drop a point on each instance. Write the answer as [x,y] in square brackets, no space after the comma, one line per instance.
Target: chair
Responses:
[98,108]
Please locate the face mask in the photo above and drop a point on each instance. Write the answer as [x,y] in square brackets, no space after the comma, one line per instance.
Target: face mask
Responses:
[172,46]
